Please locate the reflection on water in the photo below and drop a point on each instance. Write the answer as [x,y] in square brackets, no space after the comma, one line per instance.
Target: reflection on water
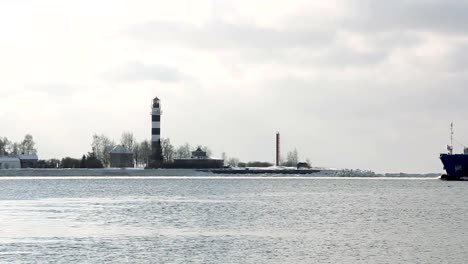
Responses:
[235,220]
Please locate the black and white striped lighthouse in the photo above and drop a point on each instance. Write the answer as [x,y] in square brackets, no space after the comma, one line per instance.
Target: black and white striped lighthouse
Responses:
[156,113]
[155,121]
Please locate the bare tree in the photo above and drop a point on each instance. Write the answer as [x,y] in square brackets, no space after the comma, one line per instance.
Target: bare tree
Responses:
[13,148]
[145,152]
[207,150]
[233,162]
[184,151]
[102,146]
[292,158]
[27,145]
[128,140]
[168,150]
[136,154]
[4,144]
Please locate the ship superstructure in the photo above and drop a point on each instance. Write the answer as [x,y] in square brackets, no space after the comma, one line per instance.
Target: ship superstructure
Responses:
[455,165]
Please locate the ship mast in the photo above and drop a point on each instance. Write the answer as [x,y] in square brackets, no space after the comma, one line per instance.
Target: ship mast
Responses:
[450,148]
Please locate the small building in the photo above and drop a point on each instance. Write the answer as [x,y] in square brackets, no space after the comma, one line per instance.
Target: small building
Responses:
[8,162]
[199,160]
[121,157]
[303,165]
[28,160]
[199,154]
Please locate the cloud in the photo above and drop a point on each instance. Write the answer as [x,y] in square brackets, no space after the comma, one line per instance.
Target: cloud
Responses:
[136,71]
[50,89]
[299,40]
[221,35]
[405,15]
[457,58]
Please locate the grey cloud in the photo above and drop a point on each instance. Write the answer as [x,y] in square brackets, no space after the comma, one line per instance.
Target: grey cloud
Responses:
[443,97]
[386,24]
[457,59]
[346,57]
[292,45]
[338,54]
[426,15]
[368,101]
[51,89]
[315,99]
[56,89]
[222,35]
[334,56]
[136,71]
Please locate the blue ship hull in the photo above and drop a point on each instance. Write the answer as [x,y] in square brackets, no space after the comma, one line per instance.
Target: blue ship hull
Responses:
[456,166]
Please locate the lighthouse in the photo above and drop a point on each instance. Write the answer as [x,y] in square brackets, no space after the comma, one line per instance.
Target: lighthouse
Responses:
[156,157]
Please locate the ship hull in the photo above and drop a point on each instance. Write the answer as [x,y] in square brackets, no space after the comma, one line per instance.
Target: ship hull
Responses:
[456,167]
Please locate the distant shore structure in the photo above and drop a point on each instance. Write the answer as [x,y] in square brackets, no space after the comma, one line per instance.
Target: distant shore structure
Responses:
[198,160]
[121,157]
[18,161]
[156,112]
[10,162]
[278,151]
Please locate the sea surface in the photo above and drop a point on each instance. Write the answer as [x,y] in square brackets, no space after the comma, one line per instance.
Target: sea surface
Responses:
[232,220]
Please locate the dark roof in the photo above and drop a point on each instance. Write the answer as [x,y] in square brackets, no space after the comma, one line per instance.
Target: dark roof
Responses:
[28,157]
[119,149]
[199,153]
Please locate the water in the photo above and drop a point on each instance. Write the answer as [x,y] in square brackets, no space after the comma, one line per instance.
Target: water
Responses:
[233,220]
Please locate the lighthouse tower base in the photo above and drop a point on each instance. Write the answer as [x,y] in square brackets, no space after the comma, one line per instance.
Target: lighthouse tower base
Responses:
[156,159]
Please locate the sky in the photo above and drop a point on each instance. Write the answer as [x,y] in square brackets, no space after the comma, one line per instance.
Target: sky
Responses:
[349,84]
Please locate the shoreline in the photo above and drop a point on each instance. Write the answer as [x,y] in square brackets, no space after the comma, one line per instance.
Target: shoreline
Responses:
[98,172]
[197,173]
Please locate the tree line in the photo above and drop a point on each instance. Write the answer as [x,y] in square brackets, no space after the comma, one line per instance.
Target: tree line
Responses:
[101,145]
[26,146]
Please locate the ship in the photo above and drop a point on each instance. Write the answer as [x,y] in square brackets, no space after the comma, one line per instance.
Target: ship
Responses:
[455,165]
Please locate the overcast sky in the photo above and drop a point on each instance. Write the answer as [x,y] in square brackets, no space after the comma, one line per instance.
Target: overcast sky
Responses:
[350,84]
